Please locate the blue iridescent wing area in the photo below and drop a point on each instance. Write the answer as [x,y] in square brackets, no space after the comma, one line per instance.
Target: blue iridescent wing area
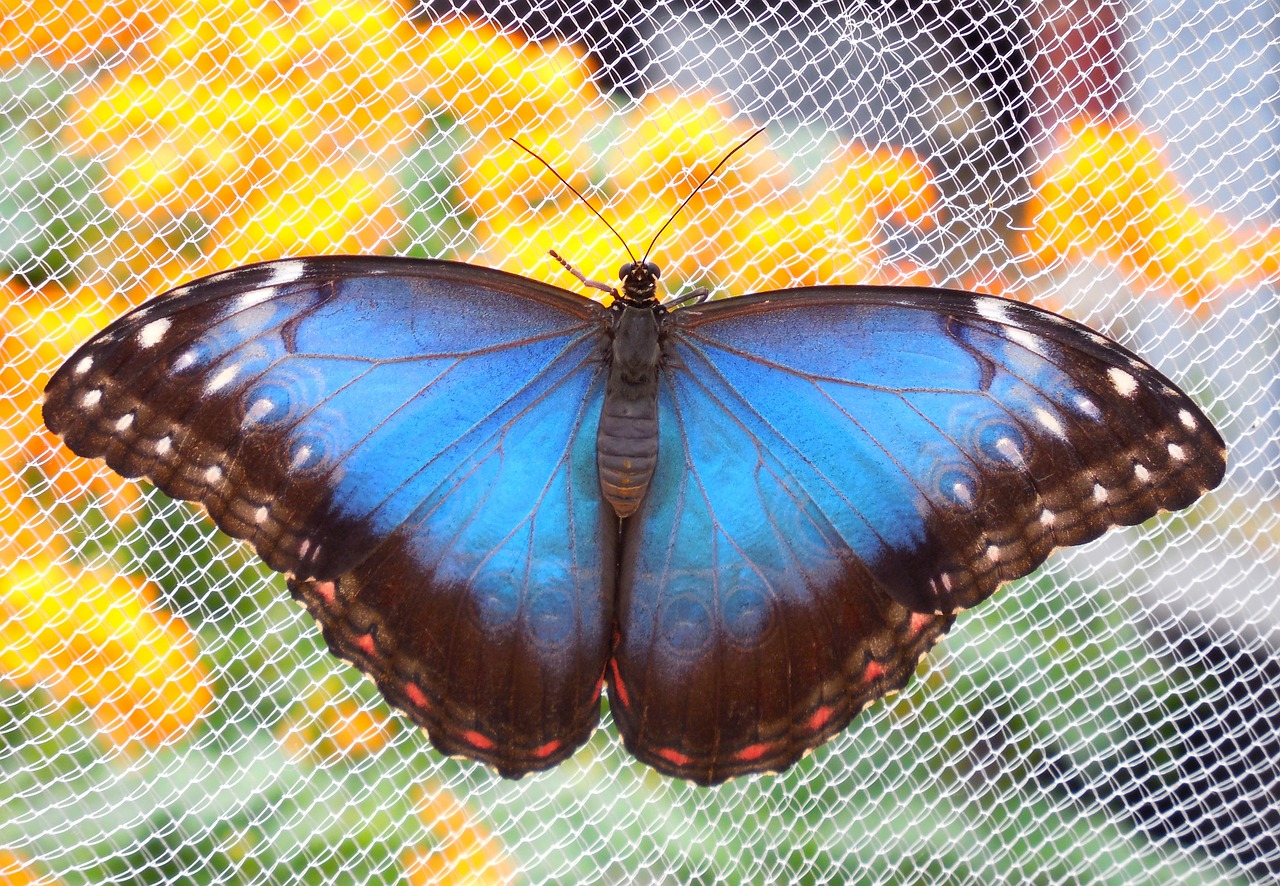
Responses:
[413,443]
[841,470]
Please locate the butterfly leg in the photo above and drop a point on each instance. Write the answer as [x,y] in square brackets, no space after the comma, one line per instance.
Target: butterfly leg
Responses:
[693,296]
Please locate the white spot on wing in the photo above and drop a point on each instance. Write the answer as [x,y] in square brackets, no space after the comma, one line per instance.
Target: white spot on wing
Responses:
[300,457]
[153,332]
[1088,407]
[286,272]
[1099,493]
[1048,517]
[1007,448]
[124,421]
[260,407]
[1125,384]
[84,365]
[163,445]
[1140,471]
[223,378]
[255,297]
[963,494]
[213,474]
[1184,415]
[1176,452]
[1049,421]
[185,361]
[1027,340]
[260,515]
[993,554]
[993,309]
[91,398]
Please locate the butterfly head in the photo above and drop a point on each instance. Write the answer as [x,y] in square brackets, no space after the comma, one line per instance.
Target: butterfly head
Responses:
[639,284]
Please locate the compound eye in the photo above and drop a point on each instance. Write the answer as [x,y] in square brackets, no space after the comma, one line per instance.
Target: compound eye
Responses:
[653,269]
[625,270]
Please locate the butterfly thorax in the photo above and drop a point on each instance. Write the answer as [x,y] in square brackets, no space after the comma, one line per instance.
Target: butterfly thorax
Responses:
[627,441]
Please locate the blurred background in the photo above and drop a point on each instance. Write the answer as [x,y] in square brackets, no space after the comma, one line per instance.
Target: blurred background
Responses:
[168,715]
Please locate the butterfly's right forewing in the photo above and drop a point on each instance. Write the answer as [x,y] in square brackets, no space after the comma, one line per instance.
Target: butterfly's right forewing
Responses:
[413,443]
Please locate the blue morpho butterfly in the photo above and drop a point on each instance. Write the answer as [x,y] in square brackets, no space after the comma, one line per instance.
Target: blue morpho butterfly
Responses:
[749,517]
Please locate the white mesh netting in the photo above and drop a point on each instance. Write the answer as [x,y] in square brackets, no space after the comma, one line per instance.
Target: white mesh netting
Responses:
[168,715]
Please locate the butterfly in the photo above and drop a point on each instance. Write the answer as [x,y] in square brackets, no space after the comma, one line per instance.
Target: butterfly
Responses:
[750,518]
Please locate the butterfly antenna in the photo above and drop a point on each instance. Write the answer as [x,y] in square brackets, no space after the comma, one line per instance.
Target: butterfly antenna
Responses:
[710,175]
[578,194]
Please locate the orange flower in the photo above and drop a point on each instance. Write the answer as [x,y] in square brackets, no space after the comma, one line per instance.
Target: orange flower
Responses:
[355,67]
[142,260]
[17,871]
[498,177]
[38,332]
[520,244]
[74,31]
[493,81]
[172,140]
[330,723]
[1109,193]
[337,207]
[828,233]
[672,141]
[99,638]
[465,851]
[780,244]
[892,183]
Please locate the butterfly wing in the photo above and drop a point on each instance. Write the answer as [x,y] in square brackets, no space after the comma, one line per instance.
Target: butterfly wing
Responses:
[413,443]
[843,469]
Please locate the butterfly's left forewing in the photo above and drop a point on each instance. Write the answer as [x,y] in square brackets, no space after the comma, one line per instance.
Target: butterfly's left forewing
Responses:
[840,471]
[413,443]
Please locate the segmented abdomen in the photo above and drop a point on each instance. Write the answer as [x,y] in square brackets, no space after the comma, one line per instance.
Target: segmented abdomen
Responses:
[627,444]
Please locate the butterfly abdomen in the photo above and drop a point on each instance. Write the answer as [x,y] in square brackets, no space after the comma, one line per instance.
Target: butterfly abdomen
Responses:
[627,442]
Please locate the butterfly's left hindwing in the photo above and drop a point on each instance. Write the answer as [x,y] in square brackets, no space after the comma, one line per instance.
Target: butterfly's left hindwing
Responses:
[406,439]
[840,471]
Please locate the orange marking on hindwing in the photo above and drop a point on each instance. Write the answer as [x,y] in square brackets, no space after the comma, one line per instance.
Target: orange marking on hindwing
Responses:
[671,755]
[416,695]
[475,739]
[821,717]
[874,671]
[752,752]
[547,749]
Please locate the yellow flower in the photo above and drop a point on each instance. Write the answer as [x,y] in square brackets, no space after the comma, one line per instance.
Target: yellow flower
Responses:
[465,851]
[492,81]
[671,142]
[355,68]
[778,244]
[336,207]
[172,140]
[1109,193]
[98,638]
[881,183]
[828,232]
[521,244]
